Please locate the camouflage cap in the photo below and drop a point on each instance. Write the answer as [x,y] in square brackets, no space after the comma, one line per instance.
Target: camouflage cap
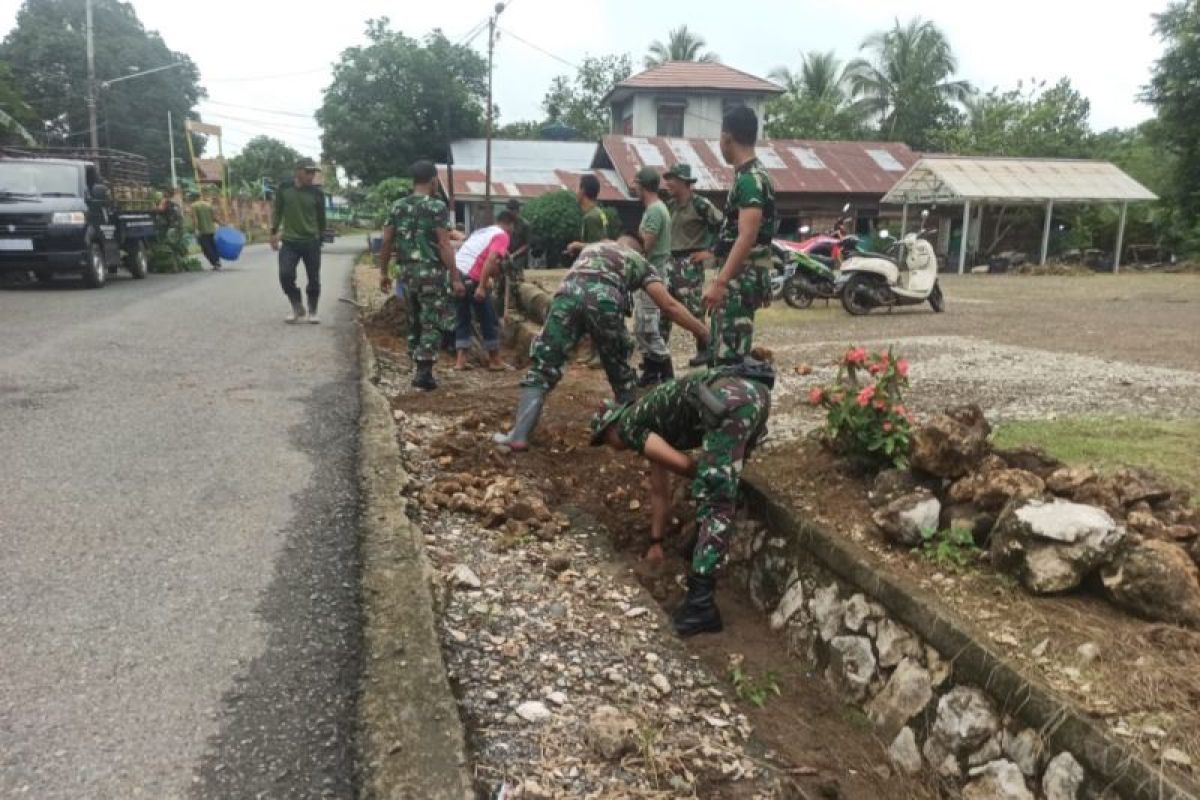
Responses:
[603,420]
[308,165]
[681,172]
[648,178]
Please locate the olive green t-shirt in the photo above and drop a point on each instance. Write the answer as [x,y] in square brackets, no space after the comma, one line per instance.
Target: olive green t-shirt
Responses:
[657,221]
[202,214]
[595,225]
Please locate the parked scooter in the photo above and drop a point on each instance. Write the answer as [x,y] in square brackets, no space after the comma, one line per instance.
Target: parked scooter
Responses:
[810,279]
[906,276]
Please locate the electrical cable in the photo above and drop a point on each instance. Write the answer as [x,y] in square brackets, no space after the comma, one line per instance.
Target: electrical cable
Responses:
[256,108]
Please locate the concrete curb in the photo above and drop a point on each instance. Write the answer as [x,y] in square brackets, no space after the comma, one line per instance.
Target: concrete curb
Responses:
[411,739]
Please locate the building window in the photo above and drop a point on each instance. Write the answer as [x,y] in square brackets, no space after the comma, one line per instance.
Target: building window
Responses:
[627,125]
[670,120]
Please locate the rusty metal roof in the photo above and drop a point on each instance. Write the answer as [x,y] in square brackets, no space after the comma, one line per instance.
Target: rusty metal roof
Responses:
[796,166]
[526,183]
[695,76]
[955,179]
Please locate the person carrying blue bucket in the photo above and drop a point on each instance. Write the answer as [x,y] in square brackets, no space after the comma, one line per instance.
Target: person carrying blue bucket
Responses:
[296,227]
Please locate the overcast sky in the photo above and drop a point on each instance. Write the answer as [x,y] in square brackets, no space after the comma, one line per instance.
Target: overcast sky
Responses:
[259,57]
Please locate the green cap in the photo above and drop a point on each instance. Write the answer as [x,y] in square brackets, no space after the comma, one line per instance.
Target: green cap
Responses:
[602,420]
[681,172]
[308,165]
[647,178]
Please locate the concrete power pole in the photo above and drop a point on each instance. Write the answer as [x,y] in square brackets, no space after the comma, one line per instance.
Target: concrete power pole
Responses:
[171,142]
[487,170]
[91,78]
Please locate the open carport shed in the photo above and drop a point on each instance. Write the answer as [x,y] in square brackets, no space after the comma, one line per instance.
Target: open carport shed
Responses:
[951,180]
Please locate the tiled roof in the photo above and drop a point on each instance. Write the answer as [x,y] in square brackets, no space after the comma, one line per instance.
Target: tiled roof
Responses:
[698,75]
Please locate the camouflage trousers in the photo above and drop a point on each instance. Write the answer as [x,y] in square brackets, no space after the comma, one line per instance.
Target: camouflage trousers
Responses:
[719,464]
[748,292]
[431,308]
[578,309]
[646,327]
[512,275]
[685,282]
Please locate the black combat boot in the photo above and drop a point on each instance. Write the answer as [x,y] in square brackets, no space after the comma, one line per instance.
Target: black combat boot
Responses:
[699,612]
[701,357]
[649,376]
[424,379]
[666,370]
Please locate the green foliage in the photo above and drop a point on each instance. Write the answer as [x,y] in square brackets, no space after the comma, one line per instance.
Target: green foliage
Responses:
[395,100]
[954,548]
[554,221]
[867,420]
[264,157]
[749,689]
[14,111]
[382,196]
[579,102]
[816,104]
[169,253]
[1033,121]
[46,53]
[681,45]
[526,130]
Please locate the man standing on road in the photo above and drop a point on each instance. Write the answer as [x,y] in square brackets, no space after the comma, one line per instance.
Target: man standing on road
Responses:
[695,223]
[299,220]
[743,284]
[420,229]
[478,261]
[592,299]
[204,223]
[721,411]
[655,231]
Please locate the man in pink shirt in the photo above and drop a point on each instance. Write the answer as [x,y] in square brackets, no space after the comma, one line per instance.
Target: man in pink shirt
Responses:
[479,262]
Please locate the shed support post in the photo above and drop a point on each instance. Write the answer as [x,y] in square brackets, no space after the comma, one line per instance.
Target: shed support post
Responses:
[1120,238]
[966,234]
[903,221]
[1046,232]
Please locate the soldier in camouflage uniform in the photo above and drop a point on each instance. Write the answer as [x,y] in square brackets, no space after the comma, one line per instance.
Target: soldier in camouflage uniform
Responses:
[743,284]
[593,299]
[695,223]
[419,229]
[722,411]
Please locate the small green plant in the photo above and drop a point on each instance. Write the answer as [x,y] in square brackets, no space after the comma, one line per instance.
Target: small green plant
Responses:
[866,419]
[949,548]
[750,690]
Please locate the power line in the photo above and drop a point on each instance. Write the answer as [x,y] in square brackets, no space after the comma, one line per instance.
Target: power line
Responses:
[261,110]
[541,50]
[266,124]
[247,79]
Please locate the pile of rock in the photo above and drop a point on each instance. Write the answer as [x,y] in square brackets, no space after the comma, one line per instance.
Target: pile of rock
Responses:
[502,503]
[1053,527]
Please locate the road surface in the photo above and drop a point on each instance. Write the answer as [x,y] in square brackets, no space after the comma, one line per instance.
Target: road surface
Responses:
[179,588]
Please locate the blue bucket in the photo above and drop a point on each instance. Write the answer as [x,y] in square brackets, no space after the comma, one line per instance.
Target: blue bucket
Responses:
[230,242]
[376,243]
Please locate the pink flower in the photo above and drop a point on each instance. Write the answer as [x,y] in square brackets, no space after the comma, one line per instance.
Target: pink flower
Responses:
[864,397]
[888,427]
[857,356]
[880,405]
[902,367]
[816,395]
[899,410]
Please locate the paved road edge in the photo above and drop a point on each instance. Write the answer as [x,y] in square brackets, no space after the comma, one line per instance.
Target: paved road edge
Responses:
[412,742]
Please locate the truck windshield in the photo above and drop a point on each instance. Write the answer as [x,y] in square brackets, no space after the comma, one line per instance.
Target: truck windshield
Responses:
[38,180]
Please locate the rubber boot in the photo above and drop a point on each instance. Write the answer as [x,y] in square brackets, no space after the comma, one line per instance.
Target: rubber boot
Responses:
[529,410]
[424,379]
[701,357]
[666,370]
[649,376]
[699,612]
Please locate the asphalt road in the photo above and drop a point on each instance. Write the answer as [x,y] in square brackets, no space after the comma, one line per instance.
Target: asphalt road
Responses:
[178,564]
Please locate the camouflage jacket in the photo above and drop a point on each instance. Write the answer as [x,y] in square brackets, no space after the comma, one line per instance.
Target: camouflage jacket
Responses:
[417,220]
[618,268]
[694,224]
[672,411]
[751,188]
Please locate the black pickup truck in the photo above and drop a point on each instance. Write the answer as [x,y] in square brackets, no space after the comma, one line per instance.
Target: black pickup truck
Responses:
[84,212]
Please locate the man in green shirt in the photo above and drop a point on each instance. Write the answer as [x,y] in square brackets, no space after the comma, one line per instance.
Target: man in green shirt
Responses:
[595,220]
[743,284]
[655,233]
[204,224]
[695,222]
[299,221]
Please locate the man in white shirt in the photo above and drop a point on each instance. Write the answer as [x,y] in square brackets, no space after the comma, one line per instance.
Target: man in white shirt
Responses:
[478,260]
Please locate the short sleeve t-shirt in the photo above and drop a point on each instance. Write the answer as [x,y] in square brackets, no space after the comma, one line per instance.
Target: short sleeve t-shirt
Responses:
[595,225]
[475,251]
[202,211]
[657,221]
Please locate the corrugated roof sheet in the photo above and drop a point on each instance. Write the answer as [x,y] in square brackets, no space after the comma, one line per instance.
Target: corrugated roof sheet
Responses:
[528,183]
[697,75]
[520,154]
[950,179]
[804,167]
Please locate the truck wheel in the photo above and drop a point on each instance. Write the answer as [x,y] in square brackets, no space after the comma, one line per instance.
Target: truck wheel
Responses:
[44,276]
[137,262]
[96,273]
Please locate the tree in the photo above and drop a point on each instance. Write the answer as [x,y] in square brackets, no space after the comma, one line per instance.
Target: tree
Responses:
[526,129]
[815,104]
[16,117]
[554,219]
[907,83]
[46,52]
[579,102]
[395,100]
[264,157]
[1175,96]
[681,45]
[1035,122]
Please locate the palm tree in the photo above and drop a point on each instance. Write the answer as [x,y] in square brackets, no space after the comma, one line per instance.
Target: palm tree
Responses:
[908,78]
[682,45]
[820,77]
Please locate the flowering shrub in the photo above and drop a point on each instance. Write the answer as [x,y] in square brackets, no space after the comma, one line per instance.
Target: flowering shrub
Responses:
[866,418]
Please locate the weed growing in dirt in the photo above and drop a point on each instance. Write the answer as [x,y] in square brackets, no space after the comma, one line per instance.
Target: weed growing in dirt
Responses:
[954,548]
[866,418]
[749,689]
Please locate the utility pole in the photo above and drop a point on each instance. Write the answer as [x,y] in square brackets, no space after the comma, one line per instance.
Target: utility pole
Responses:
[91,82]
[171,140]
[487,174]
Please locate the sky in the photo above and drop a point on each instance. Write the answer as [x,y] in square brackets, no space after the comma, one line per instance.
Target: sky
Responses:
[266,62]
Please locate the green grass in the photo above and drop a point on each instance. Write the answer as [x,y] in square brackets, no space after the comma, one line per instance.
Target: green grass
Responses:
[1168,447]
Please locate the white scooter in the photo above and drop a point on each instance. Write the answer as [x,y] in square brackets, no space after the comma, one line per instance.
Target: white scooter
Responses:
[906,276]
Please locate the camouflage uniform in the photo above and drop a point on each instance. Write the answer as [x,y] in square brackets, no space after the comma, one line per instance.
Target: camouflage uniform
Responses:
[593,299]
[725,435]
[694,228]
[751,290]
[417,220]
